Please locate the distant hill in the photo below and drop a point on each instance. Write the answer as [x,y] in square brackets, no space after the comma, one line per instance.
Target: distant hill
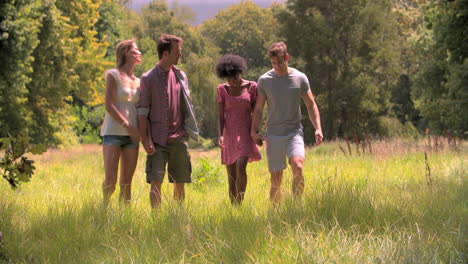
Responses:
[205,9]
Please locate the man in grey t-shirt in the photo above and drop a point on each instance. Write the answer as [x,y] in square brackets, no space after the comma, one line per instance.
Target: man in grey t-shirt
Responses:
[282,88]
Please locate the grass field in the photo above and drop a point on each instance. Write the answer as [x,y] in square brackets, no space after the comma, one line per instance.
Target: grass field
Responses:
[376,208]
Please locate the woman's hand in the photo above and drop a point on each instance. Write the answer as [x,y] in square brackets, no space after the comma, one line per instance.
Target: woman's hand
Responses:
[133,132]
[221,141]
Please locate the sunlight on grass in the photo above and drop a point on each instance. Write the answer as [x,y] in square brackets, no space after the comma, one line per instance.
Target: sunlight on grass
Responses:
[356,209]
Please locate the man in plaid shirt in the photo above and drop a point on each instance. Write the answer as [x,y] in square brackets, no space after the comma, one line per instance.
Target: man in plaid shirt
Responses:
[166,120]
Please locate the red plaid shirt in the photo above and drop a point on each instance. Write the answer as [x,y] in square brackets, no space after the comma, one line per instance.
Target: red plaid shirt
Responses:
[154,103]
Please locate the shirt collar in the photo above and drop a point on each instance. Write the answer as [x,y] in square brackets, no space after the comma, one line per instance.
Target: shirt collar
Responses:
[161,70]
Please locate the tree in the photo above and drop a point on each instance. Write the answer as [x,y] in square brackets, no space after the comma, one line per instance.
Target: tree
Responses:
[245,30]
[183,13]
[112,26]
[410,19]
[441,87]
[350,52]
[200,70]
[56,61]
[19,26]
[402,102]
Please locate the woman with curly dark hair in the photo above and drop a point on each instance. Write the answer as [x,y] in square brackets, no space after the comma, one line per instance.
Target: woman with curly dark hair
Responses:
[236,100]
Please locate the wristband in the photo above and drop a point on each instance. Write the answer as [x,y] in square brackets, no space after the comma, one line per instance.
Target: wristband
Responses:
[124,124]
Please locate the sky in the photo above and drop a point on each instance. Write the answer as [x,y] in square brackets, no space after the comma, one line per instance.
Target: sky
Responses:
[205,9]
[201,2]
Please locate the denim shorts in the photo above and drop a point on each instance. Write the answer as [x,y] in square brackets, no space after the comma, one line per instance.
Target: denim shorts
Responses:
[119,141]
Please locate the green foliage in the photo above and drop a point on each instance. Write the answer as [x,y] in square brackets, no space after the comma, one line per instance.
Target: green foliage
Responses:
[365,60]
[403,105]
[203,82]
[157,18]
[410,19]
[245,30]
[19,27]
[183,13]
[206,175]
[441,86]
[202,143]
[350,52]
[112,27]
[14,166]
[55,61]
[88,124]
[393,128]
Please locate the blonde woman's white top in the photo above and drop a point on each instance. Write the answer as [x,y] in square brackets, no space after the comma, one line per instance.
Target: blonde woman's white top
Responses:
[126,101]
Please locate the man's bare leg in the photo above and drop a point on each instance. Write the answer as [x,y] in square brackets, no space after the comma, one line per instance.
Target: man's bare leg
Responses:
[179,192]
[297,164]
[275,190]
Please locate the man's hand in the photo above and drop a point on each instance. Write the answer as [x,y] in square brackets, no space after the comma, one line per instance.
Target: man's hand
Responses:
[257,138]
[148,146]
[318,137]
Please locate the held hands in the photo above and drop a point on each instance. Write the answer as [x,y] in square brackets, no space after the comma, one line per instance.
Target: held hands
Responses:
[148,146]
[318,137]
[257,138]
[132,131]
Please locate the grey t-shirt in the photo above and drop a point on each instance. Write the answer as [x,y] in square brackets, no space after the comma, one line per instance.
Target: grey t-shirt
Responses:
[283,97]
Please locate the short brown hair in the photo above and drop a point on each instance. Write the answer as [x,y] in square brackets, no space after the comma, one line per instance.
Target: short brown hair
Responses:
[165,43]
[121,50]
[278,49]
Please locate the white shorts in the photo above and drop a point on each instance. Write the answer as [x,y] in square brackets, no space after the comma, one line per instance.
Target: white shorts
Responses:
[280,147]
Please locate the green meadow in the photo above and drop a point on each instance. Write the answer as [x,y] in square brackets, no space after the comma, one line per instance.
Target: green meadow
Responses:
[388,206]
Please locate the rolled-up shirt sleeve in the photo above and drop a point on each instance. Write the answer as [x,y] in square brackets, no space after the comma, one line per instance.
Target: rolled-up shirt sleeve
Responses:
[144,103]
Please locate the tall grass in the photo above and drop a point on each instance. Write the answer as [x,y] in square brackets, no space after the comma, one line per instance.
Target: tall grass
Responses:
[356,209]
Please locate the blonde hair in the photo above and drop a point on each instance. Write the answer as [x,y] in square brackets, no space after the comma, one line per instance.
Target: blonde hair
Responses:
[278,50]
[121,51]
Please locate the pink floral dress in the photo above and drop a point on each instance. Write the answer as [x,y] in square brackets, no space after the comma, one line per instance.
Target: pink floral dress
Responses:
[237,123]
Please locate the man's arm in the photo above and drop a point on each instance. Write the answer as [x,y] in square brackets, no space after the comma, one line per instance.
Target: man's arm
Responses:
[257,118]
[145,133]
[314,115]
[143,108]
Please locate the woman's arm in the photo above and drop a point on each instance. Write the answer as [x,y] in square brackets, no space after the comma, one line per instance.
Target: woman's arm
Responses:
[110,101]
[221,124]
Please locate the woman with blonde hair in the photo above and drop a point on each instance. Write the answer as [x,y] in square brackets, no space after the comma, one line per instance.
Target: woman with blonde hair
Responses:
[119,129]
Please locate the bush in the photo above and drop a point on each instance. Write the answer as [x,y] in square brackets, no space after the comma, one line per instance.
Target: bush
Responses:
[206,174]
[88,124]
[392,127]
[202,143]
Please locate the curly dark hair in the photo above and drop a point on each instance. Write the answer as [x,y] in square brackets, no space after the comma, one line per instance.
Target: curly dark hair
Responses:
[230,66]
